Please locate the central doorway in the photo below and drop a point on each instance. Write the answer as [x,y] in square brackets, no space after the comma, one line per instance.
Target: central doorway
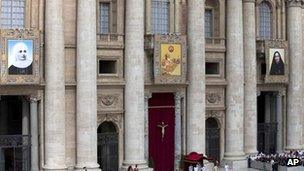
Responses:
[161,131]
[267,122]
[14,134]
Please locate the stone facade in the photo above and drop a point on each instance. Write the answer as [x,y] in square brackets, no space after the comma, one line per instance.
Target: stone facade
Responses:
[70,97]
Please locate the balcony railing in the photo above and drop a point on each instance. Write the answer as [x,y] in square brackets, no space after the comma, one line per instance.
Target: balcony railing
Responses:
[110,40]
[215,44]
[215,40]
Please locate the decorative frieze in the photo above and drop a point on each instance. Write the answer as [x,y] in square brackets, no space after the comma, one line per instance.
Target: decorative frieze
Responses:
[110,100]
[215,97]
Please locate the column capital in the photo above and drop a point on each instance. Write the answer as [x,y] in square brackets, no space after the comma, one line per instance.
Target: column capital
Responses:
[148,95]
[34,99]
[295,3]
[179,95]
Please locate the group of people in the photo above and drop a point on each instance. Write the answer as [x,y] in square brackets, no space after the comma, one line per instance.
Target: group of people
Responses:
[278,158]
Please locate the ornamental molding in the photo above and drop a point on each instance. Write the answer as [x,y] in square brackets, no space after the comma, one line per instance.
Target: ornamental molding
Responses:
[218,115]
[214,97]
[108,100]
[115,118]
[248,1]
[295,3]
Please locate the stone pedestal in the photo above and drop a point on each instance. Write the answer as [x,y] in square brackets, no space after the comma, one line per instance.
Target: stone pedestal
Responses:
[196,75]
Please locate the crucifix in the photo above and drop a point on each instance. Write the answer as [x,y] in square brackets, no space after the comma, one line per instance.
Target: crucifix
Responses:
[163,127]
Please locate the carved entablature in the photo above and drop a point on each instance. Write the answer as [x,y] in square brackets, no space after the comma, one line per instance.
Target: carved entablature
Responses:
[295,3]
[215,97]
[219,115]
[110,101]
[116,118]
[20,56]
[170,59]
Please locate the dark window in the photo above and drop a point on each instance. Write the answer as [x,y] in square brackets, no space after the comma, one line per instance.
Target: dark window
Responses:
[212,68]
[208,23]
[107,67]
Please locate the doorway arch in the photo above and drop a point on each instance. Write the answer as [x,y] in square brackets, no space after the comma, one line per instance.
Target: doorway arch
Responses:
[107,148]
[212,138]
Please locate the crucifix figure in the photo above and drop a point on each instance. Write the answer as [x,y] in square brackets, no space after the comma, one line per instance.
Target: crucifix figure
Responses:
[163,127]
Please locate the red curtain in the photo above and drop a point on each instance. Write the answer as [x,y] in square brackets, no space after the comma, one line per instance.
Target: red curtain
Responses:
[161,150]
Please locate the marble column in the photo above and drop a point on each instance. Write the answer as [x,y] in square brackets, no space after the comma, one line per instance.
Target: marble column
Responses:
[34,134]
[250,67]
[134,87]
[147,97]
[267,111]
[25,117]
[25,131]
[279,120]
[86,89]
[178,131]
[234,151]
[54,135]
[295,87]
[196,75]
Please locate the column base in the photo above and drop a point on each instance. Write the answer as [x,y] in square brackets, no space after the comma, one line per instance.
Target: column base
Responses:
[292,148]
[141,165]
[251,152]
[87,167]
[238,163]
[54,168]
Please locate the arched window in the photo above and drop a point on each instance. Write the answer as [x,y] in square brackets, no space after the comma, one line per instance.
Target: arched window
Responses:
[160,16]
[208,23]
[212,139]
[107,146]
[265,20]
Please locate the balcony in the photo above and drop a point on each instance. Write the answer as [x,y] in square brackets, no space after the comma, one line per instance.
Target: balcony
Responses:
[215,44]
[110,41]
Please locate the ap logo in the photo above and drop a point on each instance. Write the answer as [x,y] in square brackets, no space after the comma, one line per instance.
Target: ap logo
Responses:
[293,162]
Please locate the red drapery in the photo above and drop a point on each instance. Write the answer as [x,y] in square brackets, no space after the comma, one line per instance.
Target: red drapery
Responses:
[161,150]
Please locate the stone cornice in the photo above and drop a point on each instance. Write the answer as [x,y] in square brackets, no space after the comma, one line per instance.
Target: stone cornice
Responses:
[248,1]
[295,3]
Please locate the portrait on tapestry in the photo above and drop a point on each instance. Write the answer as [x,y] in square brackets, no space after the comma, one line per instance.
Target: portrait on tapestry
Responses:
[276,62]
[20,57]
[170,59]
[20,51]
